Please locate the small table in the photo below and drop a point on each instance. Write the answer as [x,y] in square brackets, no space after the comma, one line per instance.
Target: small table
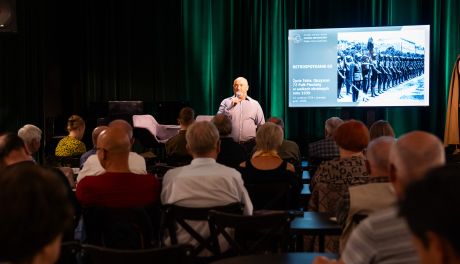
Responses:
[286,258]
[315,224]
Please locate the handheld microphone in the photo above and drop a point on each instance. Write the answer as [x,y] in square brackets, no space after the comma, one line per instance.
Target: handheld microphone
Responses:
[238,95]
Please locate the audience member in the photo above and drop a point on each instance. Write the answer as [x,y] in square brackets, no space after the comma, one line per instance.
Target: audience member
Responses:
[431,208]
[231,153]
[333,177]
[384,237]
[136,162]
[326,148]
[35,213]
[266,166]
[366,198]
[244,112]
[31,135]
[118,186]
[289,150]
[381,128]
[72,145]
[92,151]
[176,151]
[349,169]
[13,150]
[203,183]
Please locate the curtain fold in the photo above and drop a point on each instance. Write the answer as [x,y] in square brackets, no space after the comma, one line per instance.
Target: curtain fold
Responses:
[191,50]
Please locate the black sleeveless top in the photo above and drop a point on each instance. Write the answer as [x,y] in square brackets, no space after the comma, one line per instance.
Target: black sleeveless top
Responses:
[252,175]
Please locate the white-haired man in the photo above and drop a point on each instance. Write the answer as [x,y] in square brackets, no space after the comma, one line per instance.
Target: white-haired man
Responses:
[31,135]
[203,183]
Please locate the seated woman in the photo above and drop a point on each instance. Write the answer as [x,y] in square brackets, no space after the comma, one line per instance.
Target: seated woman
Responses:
[71,145]
[333,177]
[266,167]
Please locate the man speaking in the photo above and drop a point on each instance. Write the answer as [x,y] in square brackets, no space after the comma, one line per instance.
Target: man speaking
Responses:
[245,113]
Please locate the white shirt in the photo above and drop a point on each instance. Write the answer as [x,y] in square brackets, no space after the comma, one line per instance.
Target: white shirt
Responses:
[92,166]
[203,183]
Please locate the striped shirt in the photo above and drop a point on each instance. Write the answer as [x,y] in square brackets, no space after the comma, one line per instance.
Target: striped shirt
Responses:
[383,237]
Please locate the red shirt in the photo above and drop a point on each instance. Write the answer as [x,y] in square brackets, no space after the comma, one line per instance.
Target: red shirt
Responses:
[117,189]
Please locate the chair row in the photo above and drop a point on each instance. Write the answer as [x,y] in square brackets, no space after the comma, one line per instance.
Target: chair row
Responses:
[138,228]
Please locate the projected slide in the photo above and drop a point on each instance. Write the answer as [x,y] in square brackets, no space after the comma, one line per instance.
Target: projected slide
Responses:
[349,67]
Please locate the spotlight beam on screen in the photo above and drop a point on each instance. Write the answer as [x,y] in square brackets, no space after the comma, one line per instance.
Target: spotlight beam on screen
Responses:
[354,67]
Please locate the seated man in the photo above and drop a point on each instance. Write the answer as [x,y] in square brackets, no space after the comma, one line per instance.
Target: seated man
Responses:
[14,153]
[31,135]
[35,213]
[176,152]
[203,183]
[326,148]
[92,166]
[98,130]
[231,153]
[13,150]
[118,186]
[375,195]
[431,208]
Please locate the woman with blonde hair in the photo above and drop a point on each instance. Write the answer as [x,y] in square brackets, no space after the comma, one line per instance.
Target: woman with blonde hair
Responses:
[72,145]
[267,167]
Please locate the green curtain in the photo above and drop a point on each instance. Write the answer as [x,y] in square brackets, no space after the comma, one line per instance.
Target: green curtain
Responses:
[73,58]
[224,39]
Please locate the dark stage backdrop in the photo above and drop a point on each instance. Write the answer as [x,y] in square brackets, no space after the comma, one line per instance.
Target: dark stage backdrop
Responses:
[70,57]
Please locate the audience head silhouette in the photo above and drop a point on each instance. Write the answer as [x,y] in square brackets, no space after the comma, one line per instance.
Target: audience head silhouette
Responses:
[352,136]
[12,150]
[223,124]
[269,137]
[38,212]
[276,121]
[331,125]
[203,139]
[31,135]
[113,147]
[76,126]
[96,132]
[381,128]
[412,156]
[186,117]
[378,156]
[430,207]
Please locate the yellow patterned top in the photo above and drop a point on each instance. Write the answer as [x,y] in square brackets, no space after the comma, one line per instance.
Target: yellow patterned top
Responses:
[70,146]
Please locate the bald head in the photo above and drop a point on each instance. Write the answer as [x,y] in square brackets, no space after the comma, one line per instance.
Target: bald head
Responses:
[414,154]
[114,140]
[122,124]
[378,155]
[96,132]
[241,87]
